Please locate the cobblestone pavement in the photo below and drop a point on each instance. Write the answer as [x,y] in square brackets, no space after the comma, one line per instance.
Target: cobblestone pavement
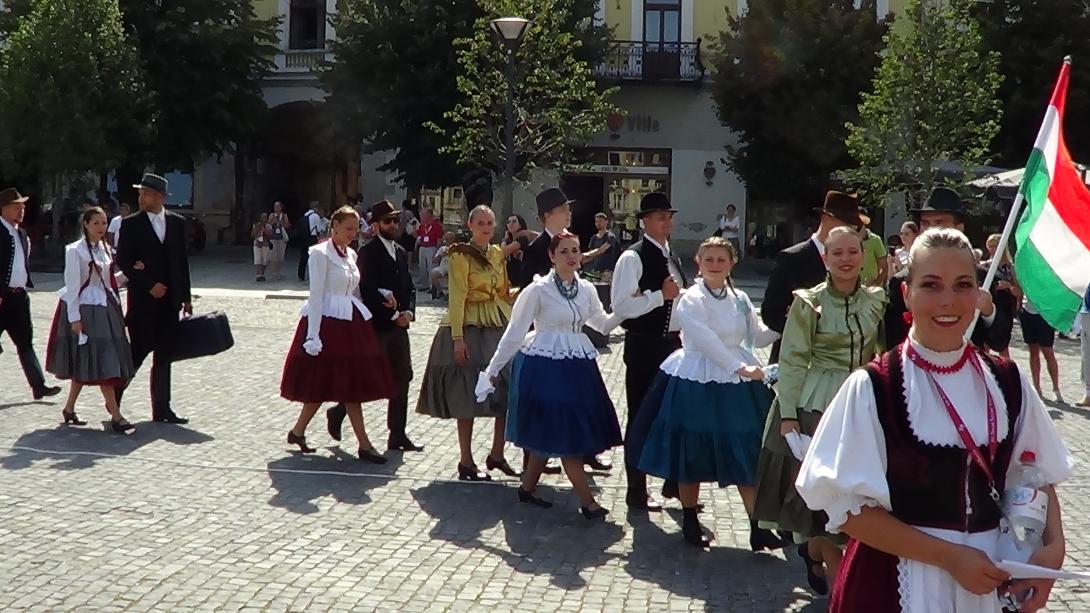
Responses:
[210,517]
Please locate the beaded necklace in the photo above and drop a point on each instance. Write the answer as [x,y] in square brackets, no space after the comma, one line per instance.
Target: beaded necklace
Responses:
[567,292]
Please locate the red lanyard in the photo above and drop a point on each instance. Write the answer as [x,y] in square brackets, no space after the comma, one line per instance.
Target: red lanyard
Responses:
[959,424]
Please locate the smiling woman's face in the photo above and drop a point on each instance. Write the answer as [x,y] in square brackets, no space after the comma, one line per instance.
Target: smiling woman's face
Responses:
[942,296]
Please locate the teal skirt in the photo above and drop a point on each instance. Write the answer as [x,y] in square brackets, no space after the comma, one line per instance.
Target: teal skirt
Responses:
[703,432]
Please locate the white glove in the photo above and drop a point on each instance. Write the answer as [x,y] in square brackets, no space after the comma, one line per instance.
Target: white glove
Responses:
[484,387]
[313,346]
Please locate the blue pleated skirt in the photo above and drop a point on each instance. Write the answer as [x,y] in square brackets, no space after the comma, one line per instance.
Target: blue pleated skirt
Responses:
[560,408]
[701,432]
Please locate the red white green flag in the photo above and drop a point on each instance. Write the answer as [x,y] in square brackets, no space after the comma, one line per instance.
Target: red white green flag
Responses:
[1052,242]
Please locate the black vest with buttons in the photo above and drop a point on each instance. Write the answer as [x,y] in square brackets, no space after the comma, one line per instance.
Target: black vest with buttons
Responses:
[655,271]
[7,255]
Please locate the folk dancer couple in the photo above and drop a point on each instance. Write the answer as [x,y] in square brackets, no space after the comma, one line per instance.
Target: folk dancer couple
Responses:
[88,343]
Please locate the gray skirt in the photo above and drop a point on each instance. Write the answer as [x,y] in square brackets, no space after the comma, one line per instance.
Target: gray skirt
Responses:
[447,389]
[105,359]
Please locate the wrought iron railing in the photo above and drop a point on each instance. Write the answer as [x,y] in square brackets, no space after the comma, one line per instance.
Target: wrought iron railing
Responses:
[301,60]
[628,60]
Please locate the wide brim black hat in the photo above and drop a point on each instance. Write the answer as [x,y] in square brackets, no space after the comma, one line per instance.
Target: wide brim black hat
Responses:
[153,182]
[655,201]
[943,200]
[381,210]
[550,199]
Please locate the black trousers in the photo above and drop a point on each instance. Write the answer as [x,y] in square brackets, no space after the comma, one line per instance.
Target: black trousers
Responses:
[643,354]
[395,344]
[15,320]
[154,337]
[304,255]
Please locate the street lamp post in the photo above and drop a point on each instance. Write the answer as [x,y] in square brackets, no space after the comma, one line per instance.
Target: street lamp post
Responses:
[510,31]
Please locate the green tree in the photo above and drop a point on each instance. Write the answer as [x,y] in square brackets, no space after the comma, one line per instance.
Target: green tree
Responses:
[70,91]
[380,101]
[558,106]
[788,77]
[934,101]
[1032,37]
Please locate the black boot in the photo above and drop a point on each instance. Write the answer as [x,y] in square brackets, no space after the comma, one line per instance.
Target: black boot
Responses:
[761,538]
[692,530]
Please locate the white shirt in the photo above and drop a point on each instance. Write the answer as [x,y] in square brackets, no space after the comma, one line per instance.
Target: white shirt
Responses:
[625,294]
[314,221]
[717,336]
[845,467]
[19,274]
[389,244]
[78,271]
[114,228]
[729,226]
[558,323]
[334,287]
[159,224]
[817,243]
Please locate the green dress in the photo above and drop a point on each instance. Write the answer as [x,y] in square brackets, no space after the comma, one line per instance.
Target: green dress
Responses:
[828,335]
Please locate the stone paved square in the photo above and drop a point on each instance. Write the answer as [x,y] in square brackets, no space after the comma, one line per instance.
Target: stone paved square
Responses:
[222,515]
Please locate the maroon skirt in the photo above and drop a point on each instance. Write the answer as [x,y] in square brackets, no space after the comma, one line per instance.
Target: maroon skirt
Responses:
[868,581]
[350,367]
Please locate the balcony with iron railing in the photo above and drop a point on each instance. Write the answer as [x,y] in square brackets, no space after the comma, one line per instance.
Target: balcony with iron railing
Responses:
[300,62]
[651,62]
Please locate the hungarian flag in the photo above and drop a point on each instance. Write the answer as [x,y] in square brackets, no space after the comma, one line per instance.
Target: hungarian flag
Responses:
[1052,257]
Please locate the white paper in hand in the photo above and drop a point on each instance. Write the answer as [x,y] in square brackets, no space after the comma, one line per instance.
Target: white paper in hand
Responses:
[1019,570]
[798,443]
[484,387]
[82,338]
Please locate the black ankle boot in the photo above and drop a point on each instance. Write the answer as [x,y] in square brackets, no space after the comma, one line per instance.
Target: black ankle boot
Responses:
[691,529]
[761,538]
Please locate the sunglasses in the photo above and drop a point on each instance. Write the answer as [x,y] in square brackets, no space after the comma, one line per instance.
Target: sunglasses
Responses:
[387,221]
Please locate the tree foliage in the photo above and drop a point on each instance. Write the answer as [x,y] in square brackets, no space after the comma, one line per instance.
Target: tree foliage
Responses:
[71,89]
[788,77]
[395,72]
[1032,38]
[933,101]
[558,106]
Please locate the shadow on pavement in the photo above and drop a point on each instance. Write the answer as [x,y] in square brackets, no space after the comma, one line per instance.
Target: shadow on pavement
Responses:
[28,403]
[298,492]
[727,579]
[58,442]
[557,542]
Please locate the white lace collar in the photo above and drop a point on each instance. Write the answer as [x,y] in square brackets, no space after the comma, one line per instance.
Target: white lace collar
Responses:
[938,358]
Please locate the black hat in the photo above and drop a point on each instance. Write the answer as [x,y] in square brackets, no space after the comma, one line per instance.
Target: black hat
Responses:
[844,207]
[943,200]
[655,201]
[11,196]
[153,182]
[381,210]
[551,199]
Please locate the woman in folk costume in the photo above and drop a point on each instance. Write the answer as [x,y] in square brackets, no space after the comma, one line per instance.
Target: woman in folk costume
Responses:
[335,355]
[87,343]
[912,452]
[832,329]
[709,402]
[478,311]
[558,405]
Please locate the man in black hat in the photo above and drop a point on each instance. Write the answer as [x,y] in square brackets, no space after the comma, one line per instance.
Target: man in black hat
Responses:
[384,264]
[152,254]
[802,266]
[943,208]
[554,211]
[14,282]
[646,283]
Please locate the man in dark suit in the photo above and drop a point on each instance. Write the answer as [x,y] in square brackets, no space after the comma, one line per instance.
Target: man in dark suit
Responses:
[554,211]
[384,266]
[943,208]
[151,251]
[801,266]
[14,282]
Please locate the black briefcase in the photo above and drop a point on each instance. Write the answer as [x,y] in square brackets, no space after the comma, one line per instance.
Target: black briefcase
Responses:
[202,335]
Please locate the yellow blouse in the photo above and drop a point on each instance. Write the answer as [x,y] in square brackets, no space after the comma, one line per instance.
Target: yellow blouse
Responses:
[480,295]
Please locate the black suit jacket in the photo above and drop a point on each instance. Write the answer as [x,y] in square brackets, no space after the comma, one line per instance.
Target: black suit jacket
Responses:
[535,260]
[7,254]
[797,267]
[377,270]
[164,262]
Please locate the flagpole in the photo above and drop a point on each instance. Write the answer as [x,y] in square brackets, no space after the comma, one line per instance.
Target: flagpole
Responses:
[1008,229]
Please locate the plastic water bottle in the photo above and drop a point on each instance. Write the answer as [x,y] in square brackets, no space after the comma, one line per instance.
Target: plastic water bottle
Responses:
[1025,505]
